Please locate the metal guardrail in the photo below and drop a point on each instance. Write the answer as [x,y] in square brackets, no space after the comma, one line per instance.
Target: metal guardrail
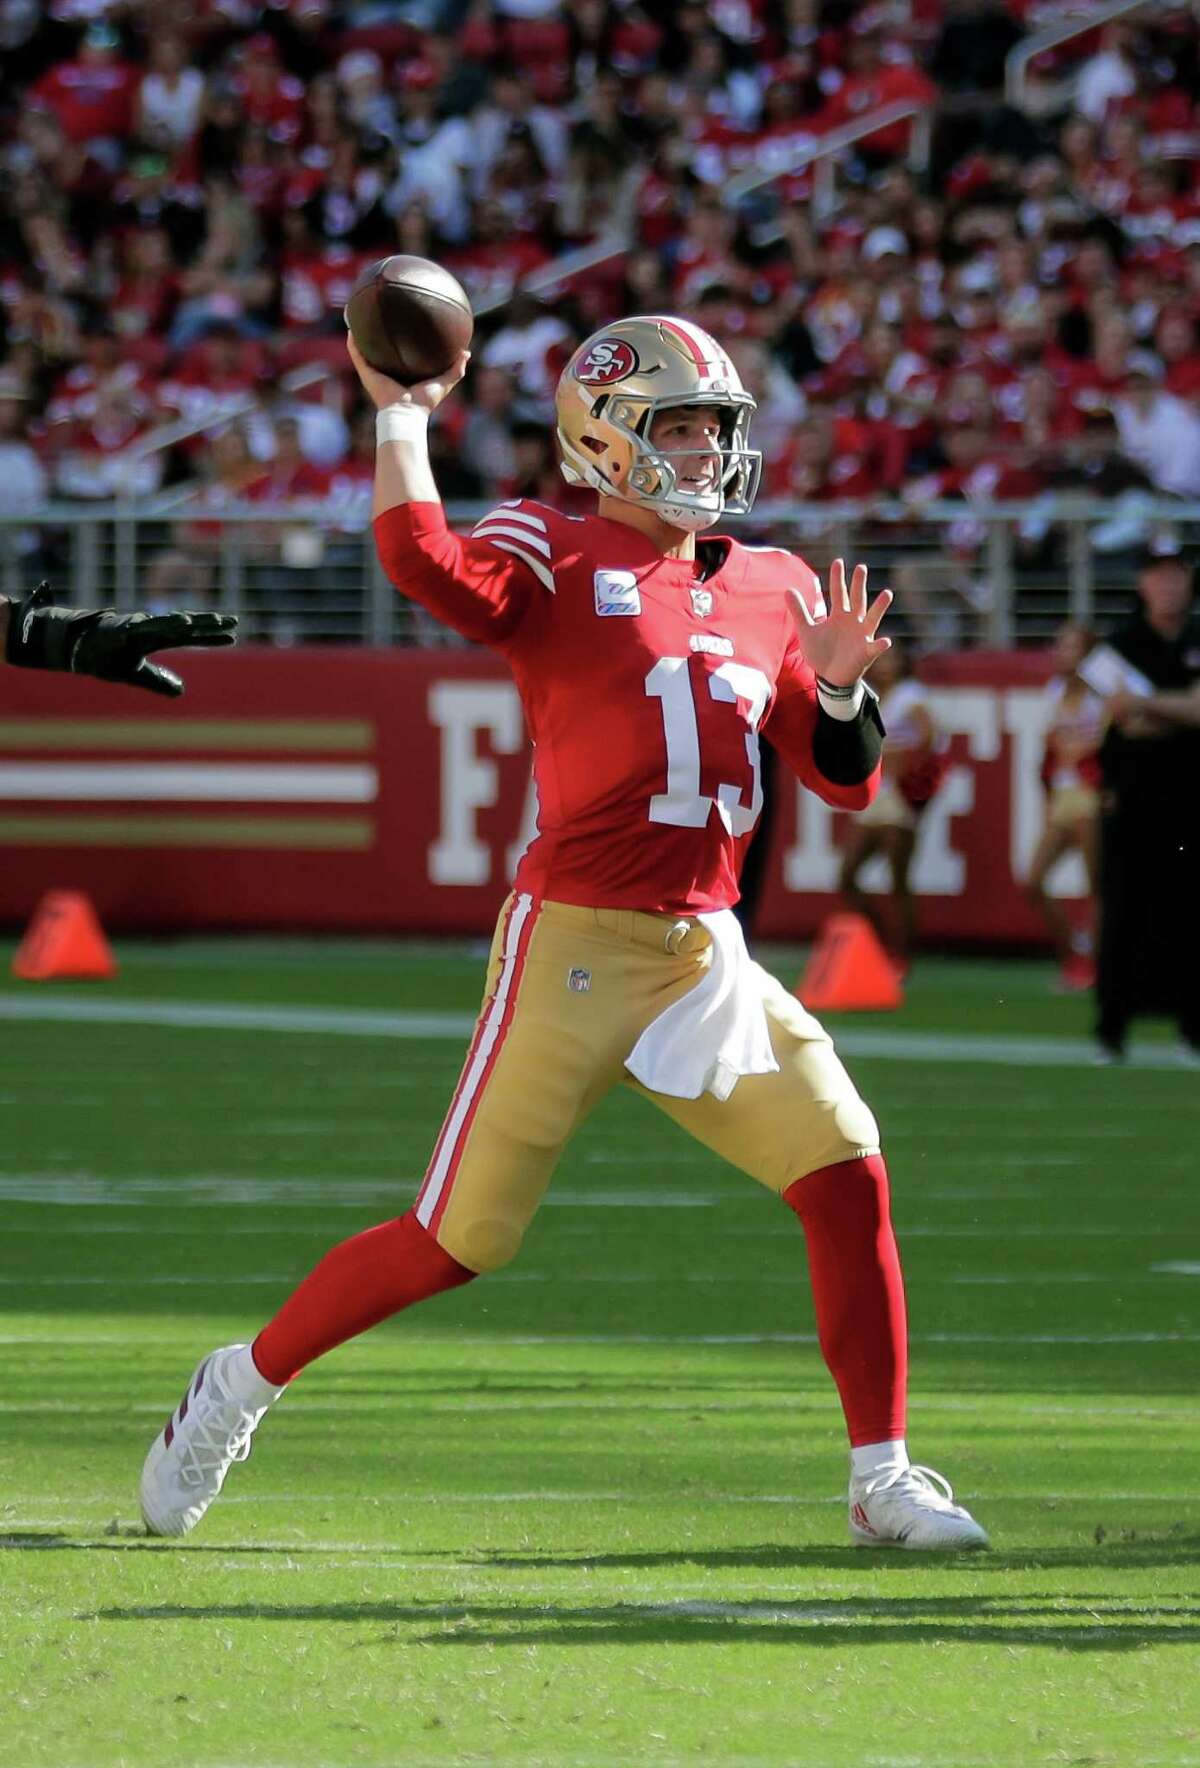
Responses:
[1090,18]
[182,429]
[823,153]
[966,574]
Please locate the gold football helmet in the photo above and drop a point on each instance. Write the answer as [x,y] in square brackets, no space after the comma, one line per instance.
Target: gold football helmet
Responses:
[608,396]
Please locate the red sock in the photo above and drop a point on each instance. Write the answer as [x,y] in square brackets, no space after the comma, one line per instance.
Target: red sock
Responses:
[356,1285]
[858,1291]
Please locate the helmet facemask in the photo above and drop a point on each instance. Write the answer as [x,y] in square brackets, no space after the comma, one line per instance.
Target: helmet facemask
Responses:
[654,476]
[609,397]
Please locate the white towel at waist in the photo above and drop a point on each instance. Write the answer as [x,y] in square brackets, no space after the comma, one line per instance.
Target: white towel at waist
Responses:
[707,1039]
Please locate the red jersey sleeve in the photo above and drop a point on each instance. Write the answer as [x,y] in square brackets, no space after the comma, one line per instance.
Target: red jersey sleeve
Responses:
[481,586]
[790,726]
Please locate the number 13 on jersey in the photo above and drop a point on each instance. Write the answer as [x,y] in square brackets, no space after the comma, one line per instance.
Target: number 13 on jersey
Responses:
[683,804]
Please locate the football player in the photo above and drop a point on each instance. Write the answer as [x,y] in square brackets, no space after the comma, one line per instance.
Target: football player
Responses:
[650,658]
[104,643]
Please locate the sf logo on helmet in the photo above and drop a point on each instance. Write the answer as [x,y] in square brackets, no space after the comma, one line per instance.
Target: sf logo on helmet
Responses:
[611,359]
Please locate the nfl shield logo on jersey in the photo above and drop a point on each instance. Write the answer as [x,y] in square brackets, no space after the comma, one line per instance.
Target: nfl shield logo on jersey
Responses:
[579,981]
[617,593]
[702,603]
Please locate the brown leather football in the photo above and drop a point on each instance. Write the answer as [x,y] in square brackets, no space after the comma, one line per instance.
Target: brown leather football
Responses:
[409,317]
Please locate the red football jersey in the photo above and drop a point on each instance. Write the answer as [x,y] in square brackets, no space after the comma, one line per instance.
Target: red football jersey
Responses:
[645,686]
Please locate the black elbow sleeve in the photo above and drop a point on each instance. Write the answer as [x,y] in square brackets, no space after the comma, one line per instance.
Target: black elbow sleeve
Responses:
[847,750]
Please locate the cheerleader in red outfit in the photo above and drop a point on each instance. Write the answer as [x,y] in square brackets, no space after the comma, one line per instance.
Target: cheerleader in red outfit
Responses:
[914,765]
[1070,774]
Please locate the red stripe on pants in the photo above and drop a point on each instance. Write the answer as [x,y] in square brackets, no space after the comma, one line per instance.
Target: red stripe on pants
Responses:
[477,1073]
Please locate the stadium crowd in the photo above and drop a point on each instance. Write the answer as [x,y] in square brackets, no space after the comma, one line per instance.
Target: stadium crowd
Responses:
[191,187]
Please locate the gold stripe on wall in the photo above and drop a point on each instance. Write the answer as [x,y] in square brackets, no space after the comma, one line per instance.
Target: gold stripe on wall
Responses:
[347,735]
[309,834]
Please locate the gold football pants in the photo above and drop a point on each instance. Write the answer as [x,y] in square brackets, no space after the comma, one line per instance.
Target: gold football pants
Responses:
[569,992]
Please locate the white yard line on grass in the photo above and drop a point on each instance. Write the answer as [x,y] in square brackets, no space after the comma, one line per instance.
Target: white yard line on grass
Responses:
[785,1230]
[230,1016]
[808,1338]
[613,1279]
[551,1340]
[888,1045]
[327,1192]
[14,1519]
[801,1399]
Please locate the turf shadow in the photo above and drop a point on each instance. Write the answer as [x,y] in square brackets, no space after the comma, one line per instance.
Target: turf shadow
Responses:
[1117,1555]
[46,1541]
[1036,1619]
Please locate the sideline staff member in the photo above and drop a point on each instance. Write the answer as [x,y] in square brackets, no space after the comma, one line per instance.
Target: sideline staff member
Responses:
[103,643]
[1149,954]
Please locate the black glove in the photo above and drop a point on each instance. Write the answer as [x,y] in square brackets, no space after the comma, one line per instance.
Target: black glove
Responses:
[112,646]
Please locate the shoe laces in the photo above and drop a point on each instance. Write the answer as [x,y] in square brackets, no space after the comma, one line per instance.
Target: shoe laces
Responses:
[212,1444]
[923,1483]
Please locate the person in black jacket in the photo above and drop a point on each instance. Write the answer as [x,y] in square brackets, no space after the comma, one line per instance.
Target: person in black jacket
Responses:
[1149,950]
[104,643]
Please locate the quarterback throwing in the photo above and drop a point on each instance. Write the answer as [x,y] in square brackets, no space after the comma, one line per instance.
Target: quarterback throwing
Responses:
[651,657]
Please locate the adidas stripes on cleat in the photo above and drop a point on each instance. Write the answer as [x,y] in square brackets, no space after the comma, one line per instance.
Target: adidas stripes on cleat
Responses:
[911,1507]
[208,1431]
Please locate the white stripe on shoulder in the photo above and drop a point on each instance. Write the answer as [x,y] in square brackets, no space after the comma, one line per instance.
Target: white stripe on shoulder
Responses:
[494,526]
[509,512]
[787,553]
[540,571]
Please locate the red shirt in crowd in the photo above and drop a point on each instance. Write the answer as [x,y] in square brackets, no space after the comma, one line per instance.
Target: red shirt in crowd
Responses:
[315,284]
[89,99]
[862,93]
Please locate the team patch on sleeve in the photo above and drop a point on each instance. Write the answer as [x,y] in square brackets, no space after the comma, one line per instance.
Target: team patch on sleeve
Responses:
[524,534]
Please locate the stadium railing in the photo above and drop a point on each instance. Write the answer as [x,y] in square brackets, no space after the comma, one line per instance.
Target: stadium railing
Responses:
[822,153]
[1056,95]
[965,574]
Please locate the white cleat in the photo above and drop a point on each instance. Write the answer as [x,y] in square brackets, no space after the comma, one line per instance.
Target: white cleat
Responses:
[911,1507]
[208,1431]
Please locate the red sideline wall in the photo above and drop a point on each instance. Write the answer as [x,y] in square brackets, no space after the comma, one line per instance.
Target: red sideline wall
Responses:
[388,791]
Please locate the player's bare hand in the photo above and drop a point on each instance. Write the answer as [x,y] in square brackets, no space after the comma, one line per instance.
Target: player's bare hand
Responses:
[839,642]
[382,390]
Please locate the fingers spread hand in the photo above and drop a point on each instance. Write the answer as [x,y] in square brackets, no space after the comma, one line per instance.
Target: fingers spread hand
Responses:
[876,612]
[800,608]
[858,592]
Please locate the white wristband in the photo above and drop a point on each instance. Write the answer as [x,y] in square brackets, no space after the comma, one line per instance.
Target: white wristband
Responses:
[401,423]
[844,706]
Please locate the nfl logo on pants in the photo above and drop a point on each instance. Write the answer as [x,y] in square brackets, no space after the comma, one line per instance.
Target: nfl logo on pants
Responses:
[579,981]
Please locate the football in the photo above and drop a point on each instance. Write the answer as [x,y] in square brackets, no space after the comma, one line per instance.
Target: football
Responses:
[409,317]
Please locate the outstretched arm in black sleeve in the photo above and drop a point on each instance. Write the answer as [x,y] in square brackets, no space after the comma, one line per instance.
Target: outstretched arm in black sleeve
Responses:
[101,642]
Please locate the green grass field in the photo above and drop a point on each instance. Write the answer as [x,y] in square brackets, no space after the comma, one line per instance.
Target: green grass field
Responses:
[589,1511]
